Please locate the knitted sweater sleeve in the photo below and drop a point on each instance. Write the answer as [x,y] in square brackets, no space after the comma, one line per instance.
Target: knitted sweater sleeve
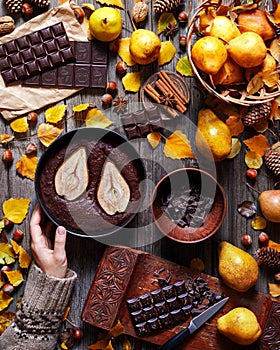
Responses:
[37,322]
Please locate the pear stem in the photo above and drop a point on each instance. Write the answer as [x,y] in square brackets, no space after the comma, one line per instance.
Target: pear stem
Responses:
[252,188]
[131,20]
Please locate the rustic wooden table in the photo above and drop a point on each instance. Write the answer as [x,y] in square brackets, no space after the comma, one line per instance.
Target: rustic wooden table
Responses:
[85,253]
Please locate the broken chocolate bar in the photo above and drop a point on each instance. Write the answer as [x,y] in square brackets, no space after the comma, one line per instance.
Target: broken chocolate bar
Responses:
[34,53]
[89,69]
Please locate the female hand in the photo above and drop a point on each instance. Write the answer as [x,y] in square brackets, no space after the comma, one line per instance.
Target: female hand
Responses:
[53,262]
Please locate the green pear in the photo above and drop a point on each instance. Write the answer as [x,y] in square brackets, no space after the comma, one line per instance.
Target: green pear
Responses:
[213,135]
[270,205]
[238,269]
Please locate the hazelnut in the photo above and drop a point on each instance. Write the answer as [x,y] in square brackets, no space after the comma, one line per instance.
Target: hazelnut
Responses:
[251,173]
[79,14]
[111,87]
[277,276]
[30,149]
[27,9]
[8,223]
[32,117]
[246,240]
[4,269]
[78,334]
[7,156]
[8,288]
[121,67]
[263,238]
[183,16]
[18,235]
[106,99]
[183,41]
[114,46]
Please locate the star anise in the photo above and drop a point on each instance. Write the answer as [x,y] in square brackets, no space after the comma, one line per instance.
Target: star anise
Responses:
[171,30]
[120,104]
[168,99]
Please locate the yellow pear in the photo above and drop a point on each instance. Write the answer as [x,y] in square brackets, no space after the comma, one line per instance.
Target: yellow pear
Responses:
[240,325]
[222,27]
[213,135]
[248,50]
[238,269]
[230,73]
[209,54]
[144,46]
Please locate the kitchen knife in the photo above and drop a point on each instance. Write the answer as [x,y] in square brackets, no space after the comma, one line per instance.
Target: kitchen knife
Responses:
[195,324]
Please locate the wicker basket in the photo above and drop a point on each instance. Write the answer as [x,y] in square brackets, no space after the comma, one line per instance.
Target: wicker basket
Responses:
[235,95]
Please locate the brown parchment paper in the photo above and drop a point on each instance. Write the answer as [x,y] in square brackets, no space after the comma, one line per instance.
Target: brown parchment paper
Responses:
[16,99]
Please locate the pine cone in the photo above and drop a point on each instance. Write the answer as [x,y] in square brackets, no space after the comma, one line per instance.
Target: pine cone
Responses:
[13,6]
[272,161]
[161,6]
[41,3]
[269,257]
[257,114]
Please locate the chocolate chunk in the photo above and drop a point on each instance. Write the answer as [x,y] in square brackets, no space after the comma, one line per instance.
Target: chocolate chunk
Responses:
[150,312]
[166,320]
[161,308]
[134,304]
[183,299]
[146,300]
[142,122]
[187,310]
[36,52]
[157,295]
[154,324]
[172,303]
[142,328]
[138,316]
[178,315]
[168,291]
[89,69]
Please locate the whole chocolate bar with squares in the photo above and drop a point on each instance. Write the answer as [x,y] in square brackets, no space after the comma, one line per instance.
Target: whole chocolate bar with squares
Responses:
[142,122]
[34,53]
[89,69]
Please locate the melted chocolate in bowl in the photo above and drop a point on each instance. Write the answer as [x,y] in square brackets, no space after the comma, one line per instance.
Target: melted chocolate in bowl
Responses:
[84,215]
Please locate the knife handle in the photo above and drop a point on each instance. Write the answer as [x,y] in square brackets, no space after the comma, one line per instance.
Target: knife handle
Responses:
[176,340]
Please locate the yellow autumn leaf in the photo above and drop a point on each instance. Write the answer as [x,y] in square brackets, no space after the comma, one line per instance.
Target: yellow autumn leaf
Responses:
[123,51]
[109,346]
[64,346]
[55,114]
[95,118]
[6,138]
[184,67]
[16,209]
[132,81]
[88,6]
[26,166]
[47,133]
[6,318]
[166,53]
[164,20]
[15,277]
[5,300]
[177,146]
[99,345]
[7,255]
[235,148]
[2,224]
[117,330]
[261,127]
[117,3]
[257,144]
[154,139]
[253,160]
[24,258]
[258,223]
[19,125]
[126,344]
[274,289]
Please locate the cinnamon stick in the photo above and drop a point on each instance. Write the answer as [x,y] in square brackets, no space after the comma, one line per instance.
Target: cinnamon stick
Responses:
[164,76]
[153,94]
[165,90]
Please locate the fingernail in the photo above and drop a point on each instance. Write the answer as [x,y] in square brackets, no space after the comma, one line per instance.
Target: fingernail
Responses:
[61,230]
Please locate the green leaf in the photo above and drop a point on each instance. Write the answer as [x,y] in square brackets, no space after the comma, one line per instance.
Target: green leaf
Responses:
[184,67]
[164,20]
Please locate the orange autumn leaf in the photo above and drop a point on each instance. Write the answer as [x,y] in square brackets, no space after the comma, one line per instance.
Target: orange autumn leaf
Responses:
[177,146]
[24,258]
[126,344]
[26,166]
[154,139]
[123,51]
[117,330]
[55,114]
[5,300]
[257,144]
[235,125]
[132,81]
[47,133]
[274,245]
[15,277]
[6,138]
[117,3]
[99,345]
[19,125]
[16,209]
[274,289]
[6,318]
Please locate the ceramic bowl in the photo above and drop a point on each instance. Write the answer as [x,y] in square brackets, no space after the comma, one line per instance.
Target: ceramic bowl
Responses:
[188,205]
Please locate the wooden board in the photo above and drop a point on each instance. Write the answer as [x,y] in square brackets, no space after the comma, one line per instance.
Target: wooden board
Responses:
[124,273]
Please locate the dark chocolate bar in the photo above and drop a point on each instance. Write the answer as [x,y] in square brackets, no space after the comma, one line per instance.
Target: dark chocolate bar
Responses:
[34,53]
[142,122]
[170,305]
[89,69]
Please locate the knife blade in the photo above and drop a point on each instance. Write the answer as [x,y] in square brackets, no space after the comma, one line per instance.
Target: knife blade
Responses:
[195,324]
